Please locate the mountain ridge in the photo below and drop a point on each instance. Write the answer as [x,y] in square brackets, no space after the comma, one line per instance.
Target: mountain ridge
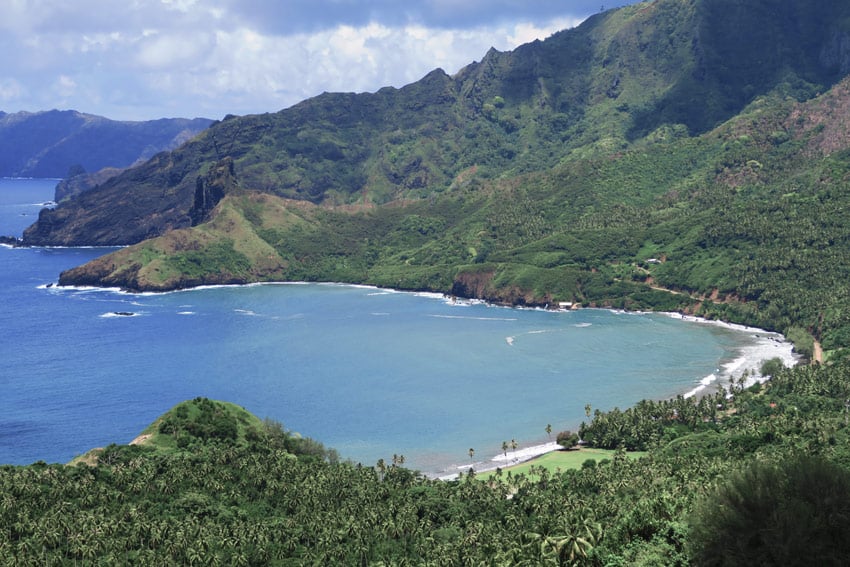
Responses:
[550,173]
[49,143]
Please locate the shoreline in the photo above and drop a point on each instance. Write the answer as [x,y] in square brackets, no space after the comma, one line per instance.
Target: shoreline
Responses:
[747,356]
[765,345]
[521,455]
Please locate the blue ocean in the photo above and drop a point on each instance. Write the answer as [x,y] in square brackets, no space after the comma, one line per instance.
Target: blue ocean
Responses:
[369,372]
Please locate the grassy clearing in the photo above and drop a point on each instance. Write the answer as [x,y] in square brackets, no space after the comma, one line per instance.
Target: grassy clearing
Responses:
[562,460]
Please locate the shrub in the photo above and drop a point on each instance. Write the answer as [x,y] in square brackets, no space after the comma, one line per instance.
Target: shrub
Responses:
[567,439]
[796,513]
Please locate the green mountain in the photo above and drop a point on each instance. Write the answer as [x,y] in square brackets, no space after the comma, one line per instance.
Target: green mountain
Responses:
[675,154]
[50,143]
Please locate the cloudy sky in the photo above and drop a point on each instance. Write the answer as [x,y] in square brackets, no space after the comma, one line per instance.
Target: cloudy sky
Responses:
[145,59]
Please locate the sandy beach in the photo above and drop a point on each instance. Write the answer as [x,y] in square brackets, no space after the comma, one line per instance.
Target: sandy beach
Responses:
[764,345]
[508,459]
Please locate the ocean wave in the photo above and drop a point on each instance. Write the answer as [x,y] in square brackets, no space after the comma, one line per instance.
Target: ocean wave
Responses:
[526,453]
[703,384]
[501,460]
[472,318]
[187,313]
[429,294]
[119,314]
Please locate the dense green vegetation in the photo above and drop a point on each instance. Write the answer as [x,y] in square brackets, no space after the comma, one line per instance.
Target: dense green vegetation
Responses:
[687,155]
[626,163]
[764,476]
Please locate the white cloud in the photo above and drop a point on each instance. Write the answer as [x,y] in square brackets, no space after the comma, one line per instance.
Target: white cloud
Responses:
[10,90]
[65,86]
[172,51]
[142,59]
[525,32]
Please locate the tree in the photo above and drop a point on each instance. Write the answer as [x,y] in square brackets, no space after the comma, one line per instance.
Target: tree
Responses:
[567,439]
[549,431]
[795,513]
[771,367]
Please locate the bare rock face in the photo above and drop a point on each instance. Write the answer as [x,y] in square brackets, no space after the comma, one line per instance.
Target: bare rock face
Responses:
[211,189]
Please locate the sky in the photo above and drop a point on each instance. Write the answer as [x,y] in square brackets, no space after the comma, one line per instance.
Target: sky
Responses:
[148,59]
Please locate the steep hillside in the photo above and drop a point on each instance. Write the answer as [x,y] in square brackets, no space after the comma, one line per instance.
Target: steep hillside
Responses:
[669,66]
[48,144]
[742,222]
[729,206]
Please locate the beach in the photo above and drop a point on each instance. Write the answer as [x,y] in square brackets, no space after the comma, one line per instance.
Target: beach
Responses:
[765,346]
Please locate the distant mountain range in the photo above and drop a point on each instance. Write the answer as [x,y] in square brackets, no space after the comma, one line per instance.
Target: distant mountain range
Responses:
[50,143]
[673,154]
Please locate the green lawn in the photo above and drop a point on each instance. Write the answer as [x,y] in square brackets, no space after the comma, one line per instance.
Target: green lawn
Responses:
[562,460]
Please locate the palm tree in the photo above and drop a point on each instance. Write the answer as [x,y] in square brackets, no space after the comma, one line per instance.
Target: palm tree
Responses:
[549,431]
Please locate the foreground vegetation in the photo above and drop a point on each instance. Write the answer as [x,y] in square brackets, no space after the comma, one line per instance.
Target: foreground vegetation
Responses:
[644,170]
[217,487]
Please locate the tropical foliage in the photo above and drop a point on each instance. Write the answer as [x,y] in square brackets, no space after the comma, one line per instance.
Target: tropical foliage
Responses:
[264,497]
[675,155]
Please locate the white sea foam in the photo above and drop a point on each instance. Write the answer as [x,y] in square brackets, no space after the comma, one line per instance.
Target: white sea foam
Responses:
[429,294]
[114,314]
[510,341]
[524,454]
[472,318]
[504,460]
[186,313]
[703,384]
[765,345]
[582,325]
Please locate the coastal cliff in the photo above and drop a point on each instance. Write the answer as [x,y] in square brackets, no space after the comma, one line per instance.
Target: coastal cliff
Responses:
[609,165]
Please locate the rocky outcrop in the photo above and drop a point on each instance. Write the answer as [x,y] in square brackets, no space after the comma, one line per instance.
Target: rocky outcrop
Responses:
[211,189]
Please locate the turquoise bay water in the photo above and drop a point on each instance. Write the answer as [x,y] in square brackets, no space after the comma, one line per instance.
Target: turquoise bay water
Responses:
[369,372]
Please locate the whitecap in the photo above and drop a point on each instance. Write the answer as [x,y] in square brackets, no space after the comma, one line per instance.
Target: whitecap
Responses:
[247,312]
[525,454]
[472,318]
[703,384]
[429,294]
